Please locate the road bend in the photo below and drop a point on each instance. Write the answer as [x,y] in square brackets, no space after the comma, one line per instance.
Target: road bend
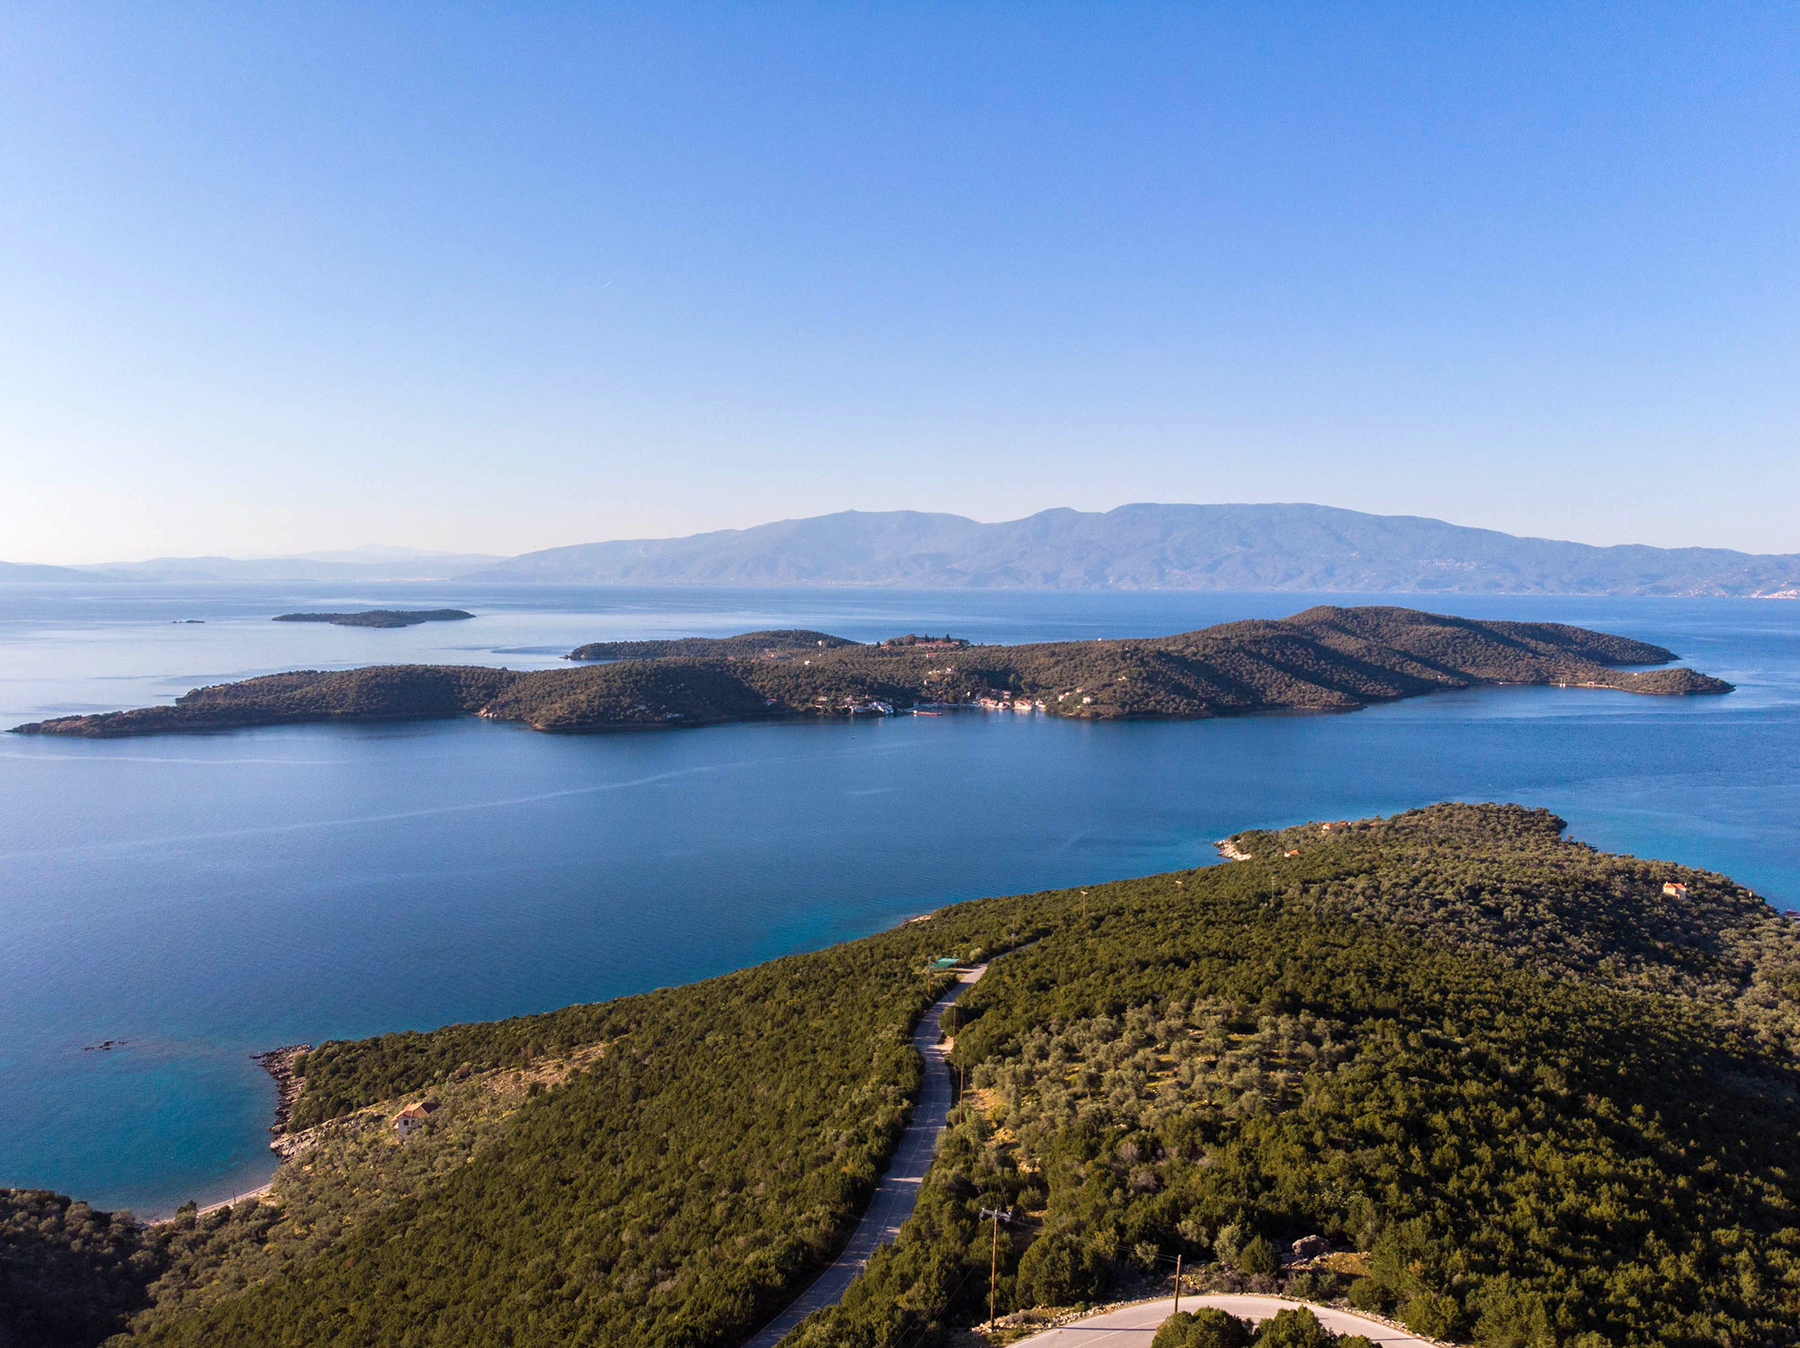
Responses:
[1135,1326]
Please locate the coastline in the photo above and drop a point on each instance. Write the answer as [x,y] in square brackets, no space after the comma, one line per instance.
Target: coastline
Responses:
[1323,659]
[279,1063]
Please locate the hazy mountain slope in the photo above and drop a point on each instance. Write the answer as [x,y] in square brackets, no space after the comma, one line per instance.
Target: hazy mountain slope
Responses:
[1200,547]
[369,563]
[25,571]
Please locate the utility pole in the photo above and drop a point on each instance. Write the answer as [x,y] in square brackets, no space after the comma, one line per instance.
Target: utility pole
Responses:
[999,1215]
[1178,1284]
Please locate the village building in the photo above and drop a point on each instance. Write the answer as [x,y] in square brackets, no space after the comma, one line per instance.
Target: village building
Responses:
[413,1117]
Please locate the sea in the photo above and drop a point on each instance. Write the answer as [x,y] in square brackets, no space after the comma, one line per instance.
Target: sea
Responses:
[191,900]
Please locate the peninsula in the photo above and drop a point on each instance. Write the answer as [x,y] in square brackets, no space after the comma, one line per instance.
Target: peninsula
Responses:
[1325,659]
[1447,1067]
[378,617]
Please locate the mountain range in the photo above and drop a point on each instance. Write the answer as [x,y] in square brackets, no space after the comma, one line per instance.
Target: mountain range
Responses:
[1143,547]
[1135,547]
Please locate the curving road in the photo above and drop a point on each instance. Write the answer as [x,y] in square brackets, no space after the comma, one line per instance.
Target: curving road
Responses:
[899,1187]
[1135,1326]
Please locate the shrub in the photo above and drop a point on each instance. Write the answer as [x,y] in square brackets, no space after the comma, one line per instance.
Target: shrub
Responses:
[1258,1257]
[1173,1332]
[1371,1295]
[1313,1285]
[1214,1328]
[1208,1327]
[1294,1328]
[1058,1271]
[1433,1314]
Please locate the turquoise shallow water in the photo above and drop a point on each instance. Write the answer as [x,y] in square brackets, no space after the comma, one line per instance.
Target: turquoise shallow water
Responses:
[204,897]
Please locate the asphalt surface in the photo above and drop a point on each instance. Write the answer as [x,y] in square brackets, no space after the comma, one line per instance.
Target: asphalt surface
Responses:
[898,1191]
[1135,1326]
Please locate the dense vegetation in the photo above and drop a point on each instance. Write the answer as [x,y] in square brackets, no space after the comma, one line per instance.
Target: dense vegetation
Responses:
[378,617]
[378,693]
[1553,1104]
[659,1169]
[68,1274]
[1548,1102]
[752,644]
[1326,659]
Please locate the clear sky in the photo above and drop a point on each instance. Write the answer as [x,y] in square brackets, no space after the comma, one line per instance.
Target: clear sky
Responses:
[496,277]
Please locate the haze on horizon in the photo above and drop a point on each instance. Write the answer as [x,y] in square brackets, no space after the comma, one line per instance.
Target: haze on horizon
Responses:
[299,278]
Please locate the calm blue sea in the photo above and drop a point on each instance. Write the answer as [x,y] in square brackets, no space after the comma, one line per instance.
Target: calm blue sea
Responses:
[200,898]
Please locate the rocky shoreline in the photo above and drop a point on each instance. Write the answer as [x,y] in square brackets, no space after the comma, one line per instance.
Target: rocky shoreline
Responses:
[279,1063]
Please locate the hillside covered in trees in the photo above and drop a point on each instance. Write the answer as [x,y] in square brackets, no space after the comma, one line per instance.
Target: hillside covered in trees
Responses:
[1525,1092]
[1325,659]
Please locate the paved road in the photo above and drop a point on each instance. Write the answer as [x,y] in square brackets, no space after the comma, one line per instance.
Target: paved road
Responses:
[1135,1326]
[899,1188]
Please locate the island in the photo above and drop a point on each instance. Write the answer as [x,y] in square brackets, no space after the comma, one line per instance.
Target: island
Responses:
[1446,1067]
[770,645]
[1325,659]
[378,617]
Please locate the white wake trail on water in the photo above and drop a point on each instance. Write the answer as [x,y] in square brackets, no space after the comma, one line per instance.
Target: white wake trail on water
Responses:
[354,821]
[122,845]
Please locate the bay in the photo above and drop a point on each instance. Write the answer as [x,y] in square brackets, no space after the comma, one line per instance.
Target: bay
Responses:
[203,897]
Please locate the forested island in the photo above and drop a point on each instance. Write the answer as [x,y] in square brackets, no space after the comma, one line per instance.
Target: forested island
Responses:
[378,617]
[1325,659]
[1520,1092]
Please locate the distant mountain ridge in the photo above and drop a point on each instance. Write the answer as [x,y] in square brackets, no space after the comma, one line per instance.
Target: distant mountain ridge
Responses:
[1310,548]
[1142,547]
[32,573]
[373,562]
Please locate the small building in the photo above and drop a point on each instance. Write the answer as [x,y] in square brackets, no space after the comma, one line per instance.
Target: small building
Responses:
[1674,889]
[945,962]
[413,1117]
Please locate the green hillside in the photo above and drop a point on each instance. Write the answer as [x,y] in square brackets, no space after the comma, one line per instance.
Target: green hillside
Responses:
[378,617]
[775,643]
[1325,659]
[1534,1099]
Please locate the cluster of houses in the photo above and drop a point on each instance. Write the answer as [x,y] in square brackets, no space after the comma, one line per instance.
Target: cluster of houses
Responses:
[991,701]
[1005,701]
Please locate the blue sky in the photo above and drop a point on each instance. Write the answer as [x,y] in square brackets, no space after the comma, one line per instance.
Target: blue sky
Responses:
[497,277]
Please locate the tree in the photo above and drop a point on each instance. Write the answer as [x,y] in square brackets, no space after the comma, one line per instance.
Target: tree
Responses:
[1436,1315]
[1258,1257]
[1058,1271]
